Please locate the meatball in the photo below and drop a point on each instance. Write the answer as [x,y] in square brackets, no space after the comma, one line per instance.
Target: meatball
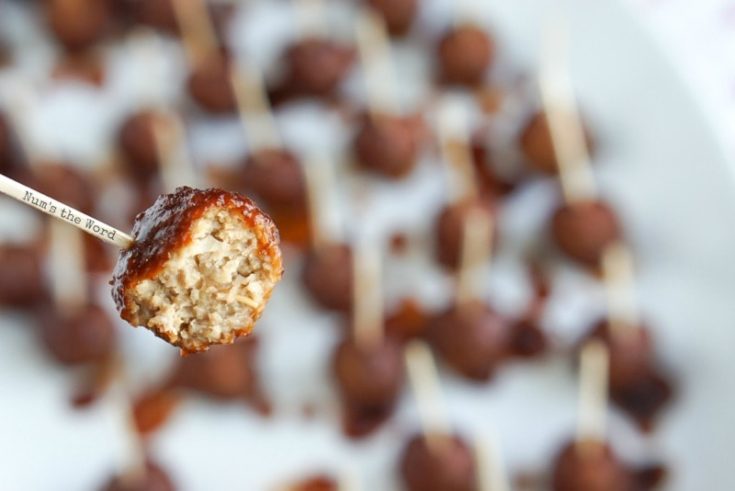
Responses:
[138,146]
[369,380]
[201,269]
[154,478]
[464,55]
[388,145]
[472,339]
[10,158]
[584,229]
[79,336]
[451,468]
[210,84]
[537,146]
[78,24]
[591,466]
[637,384]
[21,282]
[224,373]
[450,228]
[327,276]
[315,68]
[398,15]
[276,177]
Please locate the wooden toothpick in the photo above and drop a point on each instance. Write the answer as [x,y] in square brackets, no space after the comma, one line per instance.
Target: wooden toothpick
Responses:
[565,124]
[593,398]
[491,474]
[617,268]
[424,379]
[63,212]
[254,107]
[375,52]
[453,129]
[176,168]
[477,240]
[367,295]
[68,275]
[197,29]
[318,177]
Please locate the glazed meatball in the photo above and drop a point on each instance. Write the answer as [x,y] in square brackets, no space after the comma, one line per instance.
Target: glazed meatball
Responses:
[451,469]
[276,177]
[471,338]
[327,276]
[583,230]
[213,252]
[464,55]
[388,145]
[80,336]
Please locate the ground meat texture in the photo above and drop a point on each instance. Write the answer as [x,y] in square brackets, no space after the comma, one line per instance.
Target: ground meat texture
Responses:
[327,276]
[210,84]
[450,228]
[78,24]
[153,479]
[316,67]
[584,229]
[203,266]
[137,144]
[594,468]
[472,339]
[83,335]
[21,277]
[638,385]
[450,469]
[537,146]
[397,14]
[464,55]
[276,177]
[388,145]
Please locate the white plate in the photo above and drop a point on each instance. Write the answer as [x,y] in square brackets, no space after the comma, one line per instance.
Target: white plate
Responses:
[659,163]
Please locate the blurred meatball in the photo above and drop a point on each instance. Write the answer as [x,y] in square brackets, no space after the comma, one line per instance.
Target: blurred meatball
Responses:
[583,230]
[398,15]
[83,335]
[21,278]
[591,466]
[327,276]
[275,177]
[137,144]
[464,55]
[78,24]
[450,227]
[450,469]
[210,84]
[471,338]
[154,478]
[388,145]
[538,147]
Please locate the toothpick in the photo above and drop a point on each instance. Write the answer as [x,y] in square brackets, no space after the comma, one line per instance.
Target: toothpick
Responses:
[135,468]
[424,379]
[253,107]
[477,240]
[197,29]
[68,275]
[63,212]
[375,52]
[453,129]
[310,16]
[565,125]
[367,293]
[491,474]
[617,267]
[176,168]
[319,183]
[593,398]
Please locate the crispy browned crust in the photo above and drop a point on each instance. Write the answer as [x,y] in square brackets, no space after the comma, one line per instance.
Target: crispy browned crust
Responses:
[165,227]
